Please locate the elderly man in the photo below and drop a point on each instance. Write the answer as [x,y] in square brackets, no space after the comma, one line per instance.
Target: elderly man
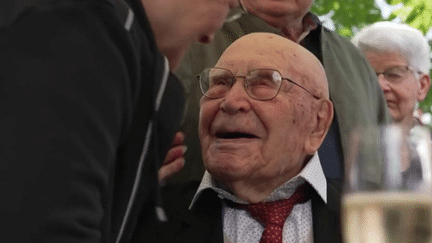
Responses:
[265,111]
[353,86]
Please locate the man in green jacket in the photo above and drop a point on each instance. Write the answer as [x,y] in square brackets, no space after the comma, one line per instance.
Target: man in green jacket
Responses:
[354,90]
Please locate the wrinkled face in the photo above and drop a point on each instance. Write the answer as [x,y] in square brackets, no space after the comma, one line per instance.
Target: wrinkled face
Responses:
[246,138]
[402,97]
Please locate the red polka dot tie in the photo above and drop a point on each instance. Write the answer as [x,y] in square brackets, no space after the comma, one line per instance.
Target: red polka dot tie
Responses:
[272,215]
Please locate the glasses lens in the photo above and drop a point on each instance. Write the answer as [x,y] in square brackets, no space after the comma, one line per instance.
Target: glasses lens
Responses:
[396,74]
[215,82]
[263,84]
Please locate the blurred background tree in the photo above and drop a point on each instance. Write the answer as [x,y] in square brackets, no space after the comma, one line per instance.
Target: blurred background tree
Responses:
[347,17]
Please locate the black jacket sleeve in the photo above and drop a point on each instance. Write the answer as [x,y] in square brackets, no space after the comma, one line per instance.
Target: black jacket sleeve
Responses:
[63,102]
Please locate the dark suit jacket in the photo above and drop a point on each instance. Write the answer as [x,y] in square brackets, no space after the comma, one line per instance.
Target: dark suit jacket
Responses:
[81,133]
[203,224]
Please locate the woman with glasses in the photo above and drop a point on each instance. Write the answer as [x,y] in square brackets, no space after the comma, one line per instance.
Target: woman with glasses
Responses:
[400,56]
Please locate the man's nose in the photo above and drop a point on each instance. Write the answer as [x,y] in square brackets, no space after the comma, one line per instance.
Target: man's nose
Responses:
[236,99]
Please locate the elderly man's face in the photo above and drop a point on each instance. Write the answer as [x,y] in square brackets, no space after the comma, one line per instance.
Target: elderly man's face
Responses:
[259,140]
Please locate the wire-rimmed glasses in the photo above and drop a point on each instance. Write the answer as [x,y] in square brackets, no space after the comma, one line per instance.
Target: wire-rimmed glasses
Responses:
[260,84]
[397,74]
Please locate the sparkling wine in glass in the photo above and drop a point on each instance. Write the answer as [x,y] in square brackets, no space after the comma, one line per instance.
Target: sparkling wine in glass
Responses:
[388,186]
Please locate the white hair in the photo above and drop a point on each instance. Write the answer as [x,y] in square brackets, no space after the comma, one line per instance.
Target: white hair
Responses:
[399,38]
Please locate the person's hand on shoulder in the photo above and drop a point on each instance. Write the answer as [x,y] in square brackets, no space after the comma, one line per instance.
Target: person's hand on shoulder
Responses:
[174,160]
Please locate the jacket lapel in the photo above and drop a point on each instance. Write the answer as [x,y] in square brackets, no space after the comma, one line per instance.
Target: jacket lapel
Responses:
[203,223]
[326,217]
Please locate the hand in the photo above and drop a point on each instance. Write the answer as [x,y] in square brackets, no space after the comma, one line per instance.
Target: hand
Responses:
[174,160]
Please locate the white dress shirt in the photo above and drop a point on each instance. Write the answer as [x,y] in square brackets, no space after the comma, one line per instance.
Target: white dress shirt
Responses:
[240,227]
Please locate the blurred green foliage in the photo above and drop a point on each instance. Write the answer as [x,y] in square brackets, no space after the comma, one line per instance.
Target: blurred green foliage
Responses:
[348,15]
[416,13]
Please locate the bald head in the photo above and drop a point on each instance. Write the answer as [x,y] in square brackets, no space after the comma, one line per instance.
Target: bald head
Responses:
[291,59]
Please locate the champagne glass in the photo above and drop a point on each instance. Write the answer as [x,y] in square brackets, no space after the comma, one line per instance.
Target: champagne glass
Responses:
[388,186]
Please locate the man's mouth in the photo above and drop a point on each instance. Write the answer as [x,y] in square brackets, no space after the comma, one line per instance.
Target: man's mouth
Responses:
[234,135]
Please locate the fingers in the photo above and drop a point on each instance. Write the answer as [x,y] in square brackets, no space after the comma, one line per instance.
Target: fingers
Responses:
[175,153]
[168,170]
[178,139]
[174,160]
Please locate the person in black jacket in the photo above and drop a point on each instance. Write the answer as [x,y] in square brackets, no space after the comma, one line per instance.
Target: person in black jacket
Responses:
[89,110]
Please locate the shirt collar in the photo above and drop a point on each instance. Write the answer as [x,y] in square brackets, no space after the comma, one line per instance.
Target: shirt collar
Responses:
[310,22]
[312,173]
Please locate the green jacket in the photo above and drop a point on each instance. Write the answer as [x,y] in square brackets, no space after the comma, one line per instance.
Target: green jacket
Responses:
[354,89]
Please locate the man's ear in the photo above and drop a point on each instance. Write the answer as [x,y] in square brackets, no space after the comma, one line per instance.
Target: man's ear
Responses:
[425,83]
[324,118]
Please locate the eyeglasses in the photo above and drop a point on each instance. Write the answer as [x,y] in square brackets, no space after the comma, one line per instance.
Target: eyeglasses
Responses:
[260,84]
[398,74]
[236,13]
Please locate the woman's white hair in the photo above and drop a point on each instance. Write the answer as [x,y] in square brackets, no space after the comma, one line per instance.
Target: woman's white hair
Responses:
[396,38]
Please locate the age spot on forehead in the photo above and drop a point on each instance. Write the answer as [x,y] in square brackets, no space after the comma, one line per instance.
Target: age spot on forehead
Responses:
[281,53]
